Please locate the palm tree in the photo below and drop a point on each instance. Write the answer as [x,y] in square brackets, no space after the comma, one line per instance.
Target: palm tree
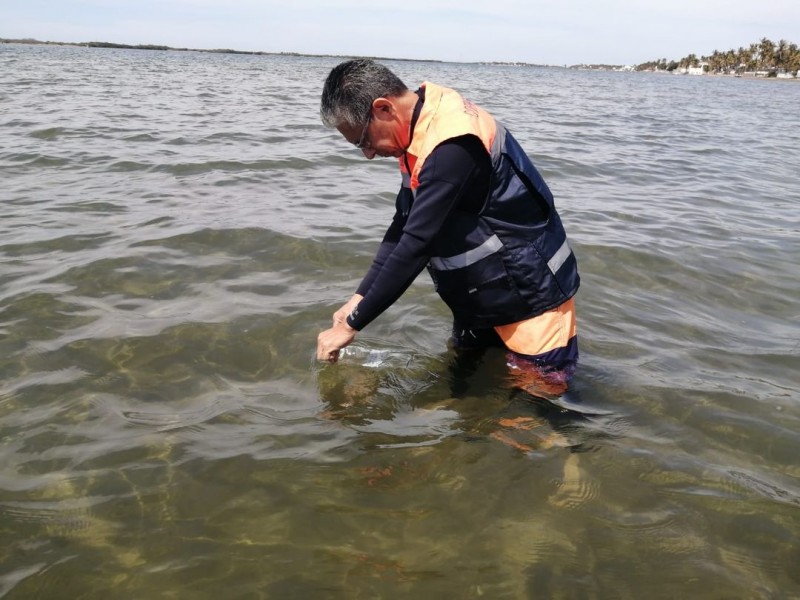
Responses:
[767,48]
[782,54]
[755,57]
[715,62]
[762,55]
[793,59]
[730,60]
[689,61]
[743,56]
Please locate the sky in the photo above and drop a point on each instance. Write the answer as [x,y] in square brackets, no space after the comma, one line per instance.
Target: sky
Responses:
[556,32]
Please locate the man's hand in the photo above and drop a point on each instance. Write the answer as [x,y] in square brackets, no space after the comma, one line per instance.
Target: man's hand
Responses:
[329,342]
[340,315]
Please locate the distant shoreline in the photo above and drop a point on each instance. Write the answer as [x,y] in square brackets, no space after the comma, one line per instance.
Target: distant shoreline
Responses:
[578,67]
[162,48]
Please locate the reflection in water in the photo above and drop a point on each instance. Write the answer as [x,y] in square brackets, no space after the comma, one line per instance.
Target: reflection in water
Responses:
[429,410]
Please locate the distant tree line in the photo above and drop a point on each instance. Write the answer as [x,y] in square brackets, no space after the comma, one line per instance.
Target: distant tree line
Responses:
[765,56]
[125,46]
[135,46]
[215,50]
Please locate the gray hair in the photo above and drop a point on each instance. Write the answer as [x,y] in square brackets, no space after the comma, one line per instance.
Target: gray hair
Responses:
[350,89]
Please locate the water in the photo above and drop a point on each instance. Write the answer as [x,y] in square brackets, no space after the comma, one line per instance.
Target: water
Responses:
[178,227]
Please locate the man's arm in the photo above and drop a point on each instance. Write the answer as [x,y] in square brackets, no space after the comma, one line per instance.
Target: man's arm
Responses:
[455,174]
[390,240]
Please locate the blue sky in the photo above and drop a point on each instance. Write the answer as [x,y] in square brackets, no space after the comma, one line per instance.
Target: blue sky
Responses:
[556,32]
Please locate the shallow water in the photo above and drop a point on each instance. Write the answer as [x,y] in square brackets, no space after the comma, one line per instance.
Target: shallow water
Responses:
[178,227]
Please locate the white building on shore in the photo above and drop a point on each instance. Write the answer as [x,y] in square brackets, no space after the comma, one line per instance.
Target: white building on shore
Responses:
[700,69]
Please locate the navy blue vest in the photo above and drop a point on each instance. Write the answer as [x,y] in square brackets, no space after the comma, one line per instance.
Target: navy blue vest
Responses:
[510,261]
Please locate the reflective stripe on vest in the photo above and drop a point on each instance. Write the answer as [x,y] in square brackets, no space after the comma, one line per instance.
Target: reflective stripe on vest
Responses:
[489,247]
[465,259]
[559,258]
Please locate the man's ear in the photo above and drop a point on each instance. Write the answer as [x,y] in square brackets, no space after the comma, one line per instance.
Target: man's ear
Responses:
[384,106]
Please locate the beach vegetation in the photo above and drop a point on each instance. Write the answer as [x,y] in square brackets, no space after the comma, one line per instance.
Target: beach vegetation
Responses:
[764,58]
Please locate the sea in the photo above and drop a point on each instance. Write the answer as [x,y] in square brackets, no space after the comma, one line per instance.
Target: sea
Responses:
[176,228]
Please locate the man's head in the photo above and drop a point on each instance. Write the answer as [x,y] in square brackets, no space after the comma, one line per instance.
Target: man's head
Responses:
[362,99]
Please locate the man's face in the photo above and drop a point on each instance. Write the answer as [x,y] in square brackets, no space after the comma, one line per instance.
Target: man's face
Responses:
[379,135]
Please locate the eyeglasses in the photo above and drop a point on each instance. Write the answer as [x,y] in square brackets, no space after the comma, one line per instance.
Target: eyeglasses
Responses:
[363,142]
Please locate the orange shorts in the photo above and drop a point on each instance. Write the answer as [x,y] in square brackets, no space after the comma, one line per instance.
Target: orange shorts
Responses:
[541,334]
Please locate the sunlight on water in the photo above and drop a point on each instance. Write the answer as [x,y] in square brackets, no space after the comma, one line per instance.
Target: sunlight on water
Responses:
[178,227]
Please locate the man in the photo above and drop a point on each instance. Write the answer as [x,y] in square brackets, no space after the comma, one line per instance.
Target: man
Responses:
[472,207]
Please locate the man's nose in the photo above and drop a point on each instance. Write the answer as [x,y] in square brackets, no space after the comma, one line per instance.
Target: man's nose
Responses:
[369,153]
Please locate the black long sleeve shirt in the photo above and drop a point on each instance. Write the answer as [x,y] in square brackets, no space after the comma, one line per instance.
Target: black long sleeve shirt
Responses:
[455,176]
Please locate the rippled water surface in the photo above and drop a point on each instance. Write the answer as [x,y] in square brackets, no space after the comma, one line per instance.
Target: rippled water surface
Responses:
[177,228]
